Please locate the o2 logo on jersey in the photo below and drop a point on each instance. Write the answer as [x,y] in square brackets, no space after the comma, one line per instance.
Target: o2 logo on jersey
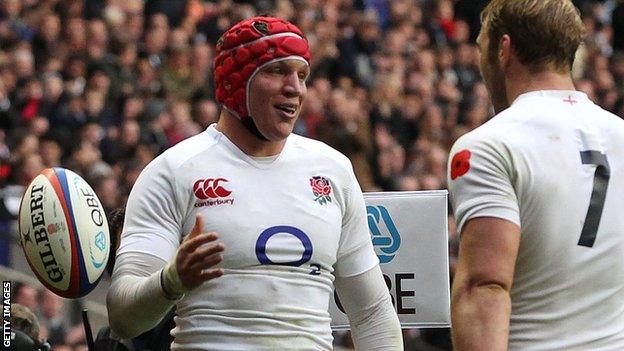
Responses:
[389,240]
[210,188]
[263,240]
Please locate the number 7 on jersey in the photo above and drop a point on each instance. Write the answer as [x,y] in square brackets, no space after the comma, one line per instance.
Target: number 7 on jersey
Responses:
[598,195]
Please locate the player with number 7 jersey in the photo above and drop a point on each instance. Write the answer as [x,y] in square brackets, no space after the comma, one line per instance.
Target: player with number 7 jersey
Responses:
[557,172]
[537,194]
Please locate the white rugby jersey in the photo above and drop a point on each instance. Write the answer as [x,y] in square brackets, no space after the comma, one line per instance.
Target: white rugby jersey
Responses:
[538,164]
[289,224]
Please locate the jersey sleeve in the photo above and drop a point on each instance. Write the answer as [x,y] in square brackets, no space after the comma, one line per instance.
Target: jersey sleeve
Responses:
[355,252]
[480,180]
[153,221]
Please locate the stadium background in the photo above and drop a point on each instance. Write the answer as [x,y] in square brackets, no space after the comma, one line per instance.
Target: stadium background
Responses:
[102,87]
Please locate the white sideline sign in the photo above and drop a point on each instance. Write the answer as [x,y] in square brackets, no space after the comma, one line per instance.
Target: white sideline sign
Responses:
[410,234]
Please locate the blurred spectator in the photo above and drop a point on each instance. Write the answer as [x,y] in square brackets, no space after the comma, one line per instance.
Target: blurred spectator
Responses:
[26,332]
[23,319]
[50,151]
[617,23]
[470,11]
[107,189]
[25,295]
[347,130]
[52,316]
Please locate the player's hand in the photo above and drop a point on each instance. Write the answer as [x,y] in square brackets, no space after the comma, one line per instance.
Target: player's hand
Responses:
[194,261]
[197,255]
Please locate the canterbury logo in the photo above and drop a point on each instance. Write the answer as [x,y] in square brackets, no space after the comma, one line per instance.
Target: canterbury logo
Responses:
[210,188]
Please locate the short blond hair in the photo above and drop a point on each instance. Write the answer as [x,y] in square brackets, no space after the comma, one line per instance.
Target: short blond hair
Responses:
[545,34]
[23,319]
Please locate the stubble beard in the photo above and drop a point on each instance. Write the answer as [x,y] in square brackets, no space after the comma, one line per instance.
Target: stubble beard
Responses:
[498,90]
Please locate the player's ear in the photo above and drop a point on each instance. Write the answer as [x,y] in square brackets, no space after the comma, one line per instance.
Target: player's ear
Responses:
[504,51]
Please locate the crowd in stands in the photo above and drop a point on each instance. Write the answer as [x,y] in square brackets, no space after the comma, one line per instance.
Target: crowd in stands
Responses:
[54,324]
[103,86]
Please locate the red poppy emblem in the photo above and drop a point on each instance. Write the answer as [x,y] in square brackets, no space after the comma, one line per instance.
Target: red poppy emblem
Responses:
[460,164]
[321,188]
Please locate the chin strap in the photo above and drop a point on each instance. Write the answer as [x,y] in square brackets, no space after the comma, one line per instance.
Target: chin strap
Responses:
[251,126]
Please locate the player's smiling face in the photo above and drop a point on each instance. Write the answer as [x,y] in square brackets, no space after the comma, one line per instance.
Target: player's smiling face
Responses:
[276,93]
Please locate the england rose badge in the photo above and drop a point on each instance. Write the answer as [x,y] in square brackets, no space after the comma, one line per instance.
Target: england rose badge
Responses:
[321,188]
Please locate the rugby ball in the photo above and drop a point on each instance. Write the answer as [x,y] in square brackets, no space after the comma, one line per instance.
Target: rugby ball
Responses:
[64,232]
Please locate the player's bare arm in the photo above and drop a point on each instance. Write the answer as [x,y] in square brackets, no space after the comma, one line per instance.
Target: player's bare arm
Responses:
[480,300]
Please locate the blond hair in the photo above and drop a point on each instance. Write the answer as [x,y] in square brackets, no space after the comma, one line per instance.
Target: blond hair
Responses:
[545,34]
[23,319]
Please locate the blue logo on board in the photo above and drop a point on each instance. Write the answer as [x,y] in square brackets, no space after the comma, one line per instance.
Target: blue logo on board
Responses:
[385,236]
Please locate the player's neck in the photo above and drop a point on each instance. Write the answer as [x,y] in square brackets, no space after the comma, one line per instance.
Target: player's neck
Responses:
[248,143]
[524,82]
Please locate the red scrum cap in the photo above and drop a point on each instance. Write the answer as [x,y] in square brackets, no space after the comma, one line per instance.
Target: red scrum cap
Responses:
[245,48]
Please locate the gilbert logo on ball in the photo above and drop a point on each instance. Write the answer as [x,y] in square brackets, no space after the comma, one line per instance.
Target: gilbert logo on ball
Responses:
[64,232]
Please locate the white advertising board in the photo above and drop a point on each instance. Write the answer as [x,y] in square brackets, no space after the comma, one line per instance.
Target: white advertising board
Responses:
[410,234]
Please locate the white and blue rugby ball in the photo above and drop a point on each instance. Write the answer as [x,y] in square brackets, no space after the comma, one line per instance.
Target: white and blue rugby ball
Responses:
[64,232]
